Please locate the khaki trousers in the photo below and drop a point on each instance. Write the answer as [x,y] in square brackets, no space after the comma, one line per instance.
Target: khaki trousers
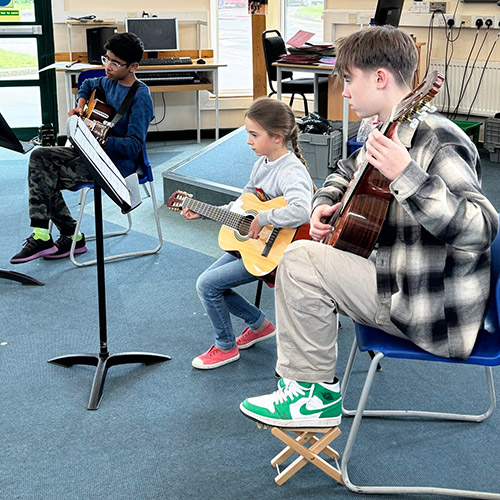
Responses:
[314,283]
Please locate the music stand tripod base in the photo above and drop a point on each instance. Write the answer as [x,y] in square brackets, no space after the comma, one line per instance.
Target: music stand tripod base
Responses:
[21,278]
[103,171]
[102,362]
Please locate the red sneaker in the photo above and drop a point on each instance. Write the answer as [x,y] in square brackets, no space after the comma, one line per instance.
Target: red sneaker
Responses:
[215,357]
[248,337]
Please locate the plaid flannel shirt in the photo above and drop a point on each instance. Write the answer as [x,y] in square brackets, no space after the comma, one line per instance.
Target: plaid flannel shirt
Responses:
[432,258]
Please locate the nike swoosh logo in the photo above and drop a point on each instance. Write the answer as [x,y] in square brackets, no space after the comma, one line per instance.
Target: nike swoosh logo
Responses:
[303,410]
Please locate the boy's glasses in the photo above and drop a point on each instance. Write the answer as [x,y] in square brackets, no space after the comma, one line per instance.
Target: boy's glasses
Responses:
[114,64]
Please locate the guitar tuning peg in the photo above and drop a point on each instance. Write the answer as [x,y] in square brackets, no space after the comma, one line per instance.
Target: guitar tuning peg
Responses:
[431,109]
[423,115]
[414,123]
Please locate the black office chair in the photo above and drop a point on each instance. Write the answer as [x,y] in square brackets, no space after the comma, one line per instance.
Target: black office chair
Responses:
[274,47]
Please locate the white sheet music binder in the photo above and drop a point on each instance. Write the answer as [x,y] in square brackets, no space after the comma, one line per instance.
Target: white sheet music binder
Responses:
[101,167]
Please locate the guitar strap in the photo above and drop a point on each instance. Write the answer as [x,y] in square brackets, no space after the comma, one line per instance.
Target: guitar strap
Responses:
[126,102]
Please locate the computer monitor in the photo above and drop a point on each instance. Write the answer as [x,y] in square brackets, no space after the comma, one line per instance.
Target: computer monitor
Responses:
[388,12]
[157,33]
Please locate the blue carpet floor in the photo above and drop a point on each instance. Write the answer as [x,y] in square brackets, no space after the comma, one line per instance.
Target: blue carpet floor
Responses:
[228,163]
[168,431]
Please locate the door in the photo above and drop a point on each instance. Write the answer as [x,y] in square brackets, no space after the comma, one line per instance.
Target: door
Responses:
[27,97]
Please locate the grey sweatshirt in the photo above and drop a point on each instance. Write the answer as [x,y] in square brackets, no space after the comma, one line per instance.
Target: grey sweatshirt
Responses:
[286,177]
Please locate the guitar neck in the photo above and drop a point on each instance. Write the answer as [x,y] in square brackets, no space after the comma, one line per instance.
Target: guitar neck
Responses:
[222,215]
[385,129]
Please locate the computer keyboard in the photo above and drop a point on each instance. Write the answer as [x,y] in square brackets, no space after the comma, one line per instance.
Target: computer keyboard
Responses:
[165,61]
[168,78]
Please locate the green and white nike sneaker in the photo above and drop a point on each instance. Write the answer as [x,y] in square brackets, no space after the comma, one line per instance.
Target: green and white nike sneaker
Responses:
[297,404]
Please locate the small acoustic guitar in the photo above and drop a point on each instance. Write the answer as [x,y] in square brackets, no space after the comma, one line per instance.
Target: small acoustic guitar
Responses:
[97,115]
[357,223]
[260,256]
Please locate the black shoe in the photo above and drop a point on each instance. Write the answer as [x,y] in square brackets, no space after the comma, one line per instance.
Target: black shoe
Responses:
[63,245]
[33,249]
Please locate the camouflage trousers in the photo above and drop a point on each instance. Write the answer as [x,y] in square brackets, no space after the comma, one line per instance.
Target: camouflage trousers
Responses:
[52,169]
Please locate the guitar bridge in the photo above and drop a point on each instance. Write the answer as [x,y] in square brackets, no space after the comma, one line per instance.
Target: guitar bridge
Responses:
[270,242]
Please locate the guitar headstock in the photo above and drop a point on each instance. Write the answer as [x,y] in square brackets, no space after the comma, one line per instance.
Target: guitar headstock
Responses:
[176,200]
[414,107]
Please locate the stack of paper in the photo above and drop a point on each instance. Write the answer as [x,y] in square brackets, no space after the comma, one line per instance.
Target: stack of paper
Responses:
[303,52]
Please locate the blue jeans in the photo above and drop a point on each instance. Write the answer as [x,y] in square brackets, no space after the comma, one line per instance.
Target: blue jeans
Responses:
[214,287]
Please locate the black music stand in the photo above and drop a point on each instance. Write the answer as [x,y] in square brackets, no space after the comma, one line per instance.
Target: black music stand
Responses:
[108,178]
[9,140]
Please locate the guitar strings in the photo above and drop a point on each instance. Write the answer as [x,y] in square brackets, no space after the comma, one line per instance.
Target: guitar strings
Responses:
[228,218]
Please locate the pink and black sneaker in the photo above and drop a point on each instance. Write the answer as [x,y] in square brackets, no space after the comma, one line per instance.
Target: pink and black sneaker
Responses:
[34,249]
[63,244]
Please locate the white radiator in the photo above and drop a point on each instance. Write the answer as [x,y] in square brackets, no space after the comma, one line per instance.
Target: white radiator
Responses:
[487,102]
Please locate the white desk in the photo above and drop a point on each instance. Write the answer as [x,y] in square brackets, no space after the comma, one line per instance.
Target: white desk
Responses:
[317,70]
[210,71]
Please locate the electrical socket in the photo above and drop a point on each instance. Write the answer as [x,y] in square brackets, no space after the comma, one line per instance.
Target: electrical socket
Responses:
[490,22]
[466,20]
[438,6]
[419,7]
[364,18]
[442,20]
[424,7]
[477,19]
[415,6]
[484,18]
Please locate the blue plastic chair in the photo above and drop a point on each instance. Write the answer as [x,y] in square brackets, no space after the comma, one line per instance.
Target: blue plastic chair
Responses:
[486,353]
[89,73]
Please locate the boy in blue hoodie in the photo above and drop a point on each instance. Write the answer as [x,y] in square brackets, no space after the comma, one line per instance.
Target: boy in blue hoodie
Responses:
[52,169]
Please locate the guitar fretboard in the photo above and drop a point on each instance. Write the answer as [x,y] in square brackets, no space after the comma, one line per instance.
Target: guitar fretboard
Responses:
[222,215]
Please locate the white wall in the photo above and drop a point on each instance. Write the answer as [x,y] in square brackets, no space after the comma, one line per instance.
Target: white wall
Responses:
[180,106]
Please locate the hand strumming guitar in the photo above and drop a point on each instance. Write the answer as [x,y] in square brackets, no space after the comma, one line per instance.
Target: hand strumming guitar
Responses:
[78,110]
[255,229]
[318,229]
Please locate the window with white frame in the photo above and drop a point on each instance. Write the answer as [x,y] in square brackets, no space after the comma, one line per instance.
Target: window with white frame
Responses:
[305,15]
[235,38]
[235,47]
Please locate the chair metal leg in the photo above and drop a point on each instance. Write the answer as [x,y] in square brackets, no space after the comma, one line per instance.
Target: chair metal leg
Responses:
[398,490]
[360,412]
[372,354]
[258,293]
[347,376]
[419,413]
[116,233]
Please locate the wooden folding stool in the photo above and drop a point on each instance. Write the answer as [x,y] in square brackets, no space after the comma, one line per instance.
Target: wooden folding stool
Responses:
[306,454]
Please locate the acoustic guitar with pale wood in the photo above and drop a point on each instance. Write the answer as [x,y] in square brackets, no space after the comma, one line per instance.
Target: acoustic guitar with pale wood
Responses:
[260,256]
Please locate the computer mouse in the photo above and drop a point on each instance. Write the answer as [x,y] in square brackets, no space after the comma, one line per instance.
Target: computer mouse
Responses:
[201,61]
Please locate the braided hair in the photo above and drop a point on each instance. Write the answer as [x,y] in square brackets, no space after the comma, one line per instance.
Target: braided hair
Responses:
[277,119]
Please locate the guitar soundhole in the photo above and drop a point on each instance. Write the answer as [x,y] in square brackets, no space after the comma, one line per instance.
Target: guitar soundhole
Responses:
[244,226]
